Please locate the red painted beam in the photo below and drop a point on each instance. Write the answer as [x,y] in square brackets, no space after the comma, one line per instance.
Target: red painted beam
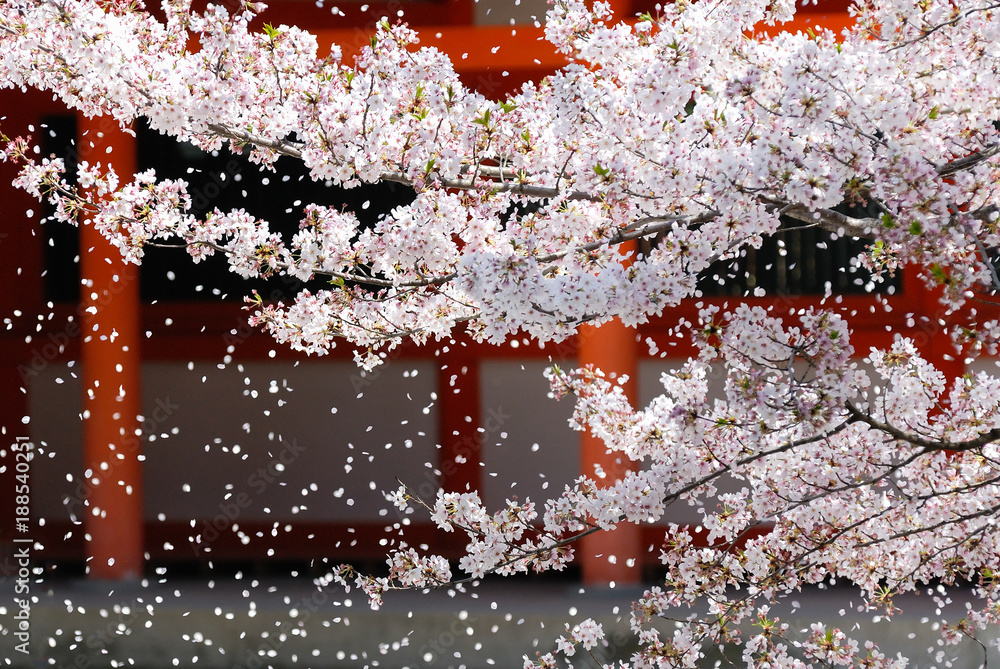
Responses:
[215,539]
[493,60]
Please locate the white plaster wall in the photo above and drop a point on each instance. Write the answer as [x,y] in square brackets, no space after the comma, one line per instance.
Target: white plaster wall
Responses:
[209,436]
[296,439]
[990,366]
[532,451]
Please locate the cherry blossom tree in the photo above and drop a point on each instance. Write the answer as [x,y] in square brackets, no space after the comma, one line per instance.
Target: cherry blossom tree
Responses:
[688,130]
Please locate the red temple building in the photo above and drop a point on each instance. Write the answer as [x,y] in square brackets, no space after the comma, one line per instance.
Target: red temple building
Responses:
[248,453]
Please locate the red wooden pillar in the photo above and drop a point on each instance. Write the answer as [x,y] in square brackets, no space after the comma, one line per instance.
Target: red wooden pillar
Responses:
[460,12]
[109,351]
[459,421]
[605,556]
[930,333]
[21,300]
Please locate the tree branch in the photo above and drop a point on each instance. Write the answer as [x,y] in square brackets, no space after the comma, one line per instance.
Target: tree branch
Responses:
[827,219]
[969,161]
[927,444]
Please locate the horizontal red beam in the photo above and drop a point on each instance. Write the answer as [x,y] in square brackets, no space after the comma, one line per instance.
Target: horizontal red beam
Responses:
[310,15]
[473,48]
[62,541]
[207,331]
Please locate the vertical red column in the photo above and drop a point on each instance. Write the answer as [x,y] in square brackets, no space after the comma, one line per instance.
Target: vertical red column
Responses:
[109,351]
[21,303]
[931,326]
[459,420]
[460,12]
[610,556]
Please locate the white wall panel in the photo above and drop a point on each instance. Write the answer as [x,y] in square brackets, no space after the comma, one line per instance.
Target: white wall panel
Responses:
[268,429]
[530,451]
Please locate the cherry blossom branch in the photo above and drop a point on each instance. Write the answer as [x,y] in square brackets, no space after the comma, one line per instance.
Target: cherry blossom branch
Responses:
[928,445]
[827,219]
[496,178]
[242,137]
[963,518]
[960,16]
[970,161]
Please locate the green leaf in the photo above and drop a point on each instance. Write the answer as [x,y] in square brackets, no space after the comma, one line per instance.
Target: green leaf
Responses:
[483,120]
[938,273]
[271,31]
[888,221]
[934,113]
[916,228]
[601,170]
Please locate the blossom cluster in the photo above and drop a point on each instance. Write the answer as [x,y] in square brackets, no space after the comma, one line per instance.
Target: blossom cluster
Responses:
[677,126]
